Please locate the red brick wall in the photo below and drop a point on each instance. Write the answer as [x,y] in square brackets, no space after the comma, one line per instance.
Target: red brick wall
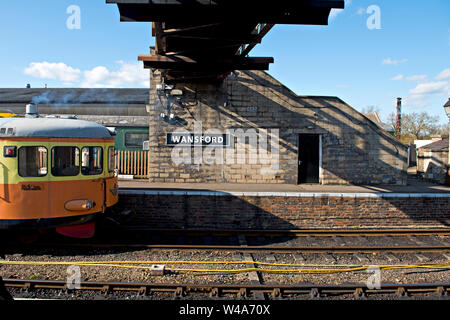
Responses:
[282,212]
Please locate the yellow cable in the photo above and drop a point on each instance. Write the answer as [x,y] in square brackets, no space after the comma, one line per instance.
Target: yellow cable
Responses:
[188,262]
[126,264]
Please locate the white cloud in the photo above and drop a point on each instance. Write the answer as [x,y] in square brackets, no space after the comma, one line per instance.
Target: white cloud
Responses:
[445,74]
[397,77]
[417,78]
[55,71]
[127,75]
[428,88]
[389,61]
[415,102]
[96,75]
[426,92]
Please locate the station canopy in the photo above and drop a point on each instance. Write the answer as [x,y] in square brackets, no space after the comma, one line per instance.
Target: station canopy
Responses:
[205,40]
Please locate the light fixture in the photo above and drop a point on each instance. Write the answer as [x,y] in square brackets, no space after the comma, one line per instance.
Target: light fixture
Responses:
[447,108]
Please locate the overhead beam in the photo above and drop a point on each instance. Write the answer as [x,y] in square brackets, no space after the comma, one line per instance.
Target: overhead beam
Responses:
[187,29]
[313,12]
[160,42]
[207,39]
[174,77]
[241,39]
[181,63]
[200,50]
[262,30]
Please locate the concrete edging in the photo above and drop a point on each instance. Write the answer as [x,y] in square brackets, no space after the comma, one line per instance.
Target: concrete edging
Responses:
[282,194]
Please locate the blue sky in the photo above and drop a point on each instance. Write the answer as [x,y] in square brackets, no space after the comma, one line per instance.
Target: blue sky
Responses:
[408,57]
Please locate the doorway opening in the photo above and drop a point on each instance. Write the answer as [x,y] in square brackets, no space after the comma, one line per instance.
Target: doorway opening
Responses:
[309,158]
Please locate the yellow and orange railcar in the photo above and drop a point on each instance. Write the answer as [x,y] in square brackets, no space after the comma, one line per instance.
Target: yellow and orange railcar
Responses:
[55,173]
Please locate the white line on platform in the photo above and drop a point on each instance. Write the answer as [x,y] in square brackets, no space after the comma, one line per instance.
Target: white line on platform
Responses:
[281,194]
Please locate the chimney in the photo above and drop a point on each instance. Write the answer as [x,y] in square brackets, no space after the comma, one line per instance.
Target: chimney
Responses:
[31,111]
[398,124]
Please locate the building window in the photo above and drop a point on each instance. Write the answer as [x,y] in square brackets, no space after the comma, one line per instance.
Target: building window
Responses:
[111,159]
[65,161]
[32,161]
[91,160]
[135,139]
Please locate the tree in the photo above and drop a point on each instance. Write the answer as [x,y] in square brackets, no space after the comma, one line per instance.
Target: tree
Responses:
[415,126]
[371,109]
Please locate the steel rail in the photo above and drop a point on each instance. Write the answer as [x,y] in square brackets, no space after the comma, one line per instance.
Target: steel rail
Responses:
[250,248]
[276,290]
[297,233]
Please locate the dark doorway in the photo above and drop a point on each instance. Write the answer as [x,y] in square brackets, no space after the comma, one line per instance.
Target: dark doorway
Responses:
[308,158]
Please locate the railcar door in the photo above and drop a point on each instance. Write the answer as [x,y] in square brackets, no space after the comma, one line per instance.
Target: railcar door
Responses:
[111,183]
[92,166]
[75,190]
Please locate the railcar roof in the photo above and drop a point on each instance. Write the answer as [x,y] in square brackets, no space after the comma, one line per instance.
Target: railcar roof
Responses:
[52,128]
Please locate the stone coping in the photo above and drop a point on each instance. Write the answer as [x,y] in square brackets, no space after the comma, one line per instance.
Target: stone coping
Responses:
[280,194]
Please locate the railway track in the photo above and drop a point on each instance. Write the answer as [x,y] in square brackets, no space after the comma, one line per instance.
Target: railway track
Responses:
[256,287]
[254,249]
[267,291]
[256,240]
[292,233]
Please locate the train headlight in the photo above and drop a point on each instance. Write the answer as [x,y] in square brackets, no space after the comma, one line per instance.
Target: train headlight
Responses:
[9,151]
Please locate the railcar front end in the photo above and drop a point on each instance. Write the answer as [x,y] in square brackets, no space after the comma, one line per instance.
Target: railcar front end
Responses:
[55,173]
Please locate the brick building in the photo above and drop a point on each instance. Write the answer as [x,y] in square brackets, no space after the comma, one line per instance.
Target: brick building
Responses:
[432,161]
[270,135]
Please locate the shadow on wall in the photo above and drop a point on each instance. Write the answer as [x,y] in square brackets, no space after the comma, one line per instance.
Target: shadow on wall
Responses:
[434,168]
[355,150]
[200,212]
[228,211]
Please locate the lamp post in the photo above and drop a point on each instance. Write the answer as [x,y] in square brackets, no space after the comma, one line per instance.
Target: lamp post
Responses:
[447,111]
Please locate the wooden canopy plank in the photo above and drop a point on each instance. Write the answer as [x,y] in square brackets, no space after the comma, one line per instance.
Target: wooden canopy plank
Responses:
[217,64]
[264,29]
[260,11]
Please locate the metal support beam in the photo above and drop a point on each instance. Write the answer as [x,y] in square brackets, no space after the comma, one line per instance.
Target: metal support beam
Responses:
[218,64]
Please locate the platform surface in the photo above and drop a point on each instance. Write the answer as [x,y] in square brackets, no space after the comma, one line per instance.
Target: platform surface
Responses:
[414,186]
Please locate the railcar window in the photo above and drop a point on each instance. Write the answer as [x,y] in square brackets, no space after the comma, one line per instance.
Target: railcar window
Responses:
[65,161]
[91,160]
[111,159]
[135,139]
[32,161]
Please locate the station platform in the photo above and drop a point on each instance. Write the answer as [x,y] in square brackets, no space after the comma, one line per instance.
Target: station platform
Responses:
[414,187]
[417,205]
